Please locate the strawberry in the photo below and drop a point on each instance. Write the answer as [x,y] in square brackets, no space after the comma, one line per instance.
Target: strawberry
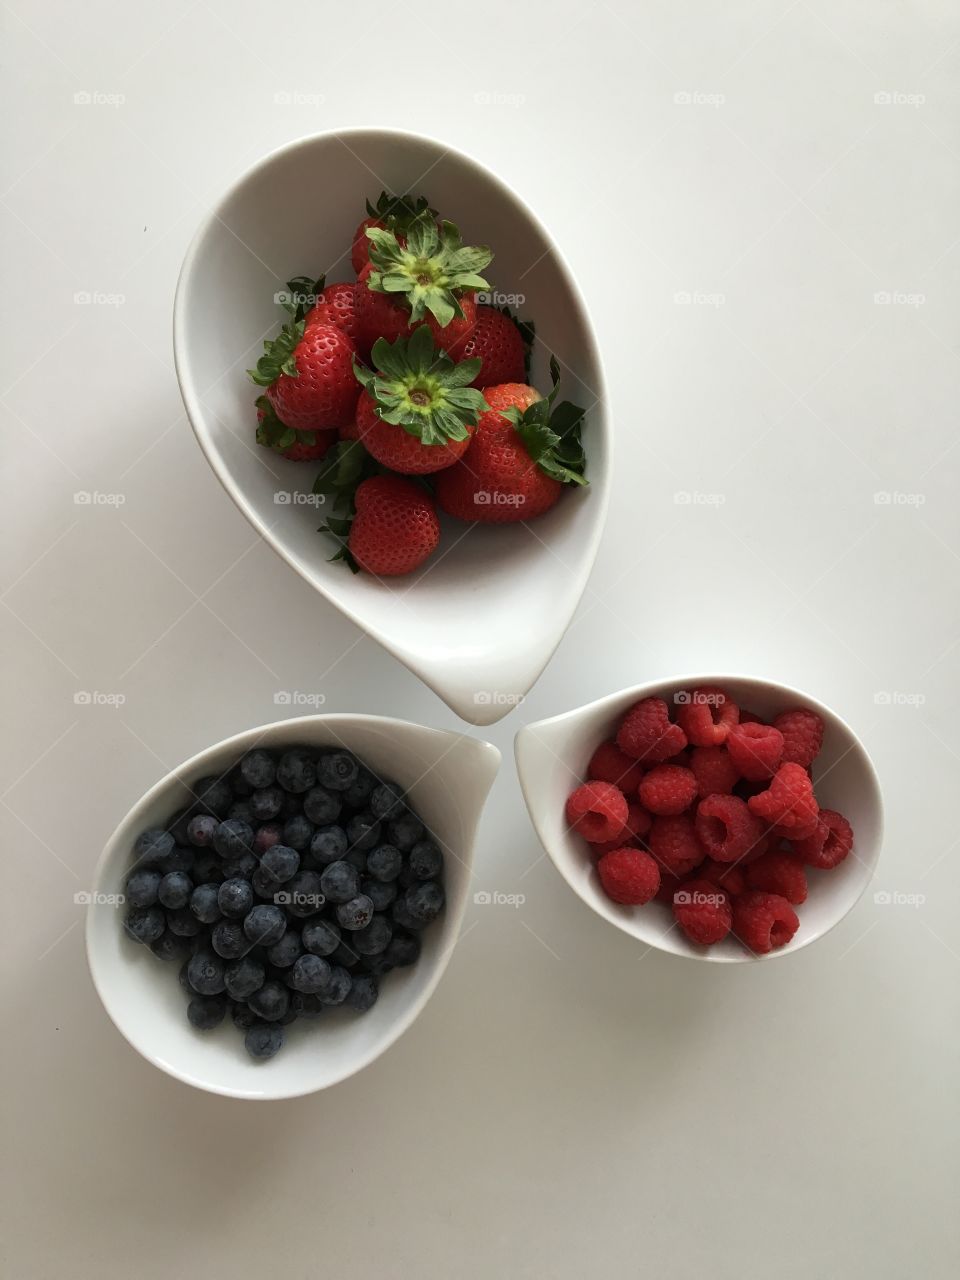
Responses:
[395,528]
[335,305]
[499,343]
[297,446]
[429,280]
[308,374]
[416,412]
[393,212]
[522,454]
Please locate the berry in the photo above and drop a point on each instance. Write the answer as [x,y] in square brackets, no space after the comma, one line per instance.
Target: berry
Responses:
[788,803]
[280,863]
[206,1012]
[703,912]
[233,838]
[355,914]
[597,811]
[270,1002]
[229,940]
[214,795]
[498,344]
[340,882]
[706,715]
[264,925]
[205,973]
[175,889]
[629,876]
[264,1040]
[403,950]
[386,801]
[307,371]
[336,771]
[755,749]
[284,953]
[763,921]
[646,732]
[395,528]
[727,875]
[242,977]
[242,811]
[321,806]
[405,831]
[667,789]
[183,923]
[424,901]
[714,769]
[830,844]
[235,898]
[201,829]
[145,924]
[171,946]
[329,844]
[311,974]
[265,804]
[673,842]
[336,305]
[142,887]
[609,764]
[153,847]
[726,828]
[338,987]
[380,893]
[374,937]
[363,993]
[802,731]
[426,860]
[297,832]
[258,769]
[321,937]
[304,894]
[384,862]
[360,790]
[363,831]
[780,873]
[296,771]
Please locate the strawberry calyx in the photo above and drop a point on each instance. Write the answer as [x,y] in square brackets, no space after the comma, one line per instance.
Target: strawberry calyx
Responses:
[301,296]
[345,466]
[551,434]
[429,272]
[276,435]
[416,386]
[399,211]
[278,355]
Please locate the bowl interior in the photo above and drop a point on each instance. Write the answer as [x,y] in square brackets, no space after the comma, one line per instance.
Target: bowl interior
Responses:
[448,777]
[552,758]
[453,622]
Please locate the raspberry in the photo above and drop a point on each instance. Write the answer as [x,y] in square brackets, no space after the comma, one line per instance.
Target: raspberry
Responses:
[726,828]
[668,789]
[788,803]
[609,764]
[629,876]
[634,828]
[725,874]
[755,749]
[763,921]
[830,844]
[706,715]
[802,731]
[597,810]
[646,732]
[714,770]
[780,873]
[673,842]
[703,912]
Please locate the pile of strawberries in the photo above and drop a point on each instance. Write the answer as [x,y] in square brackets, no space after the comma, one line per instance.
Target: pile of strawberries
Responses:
[713,813]
[413,395]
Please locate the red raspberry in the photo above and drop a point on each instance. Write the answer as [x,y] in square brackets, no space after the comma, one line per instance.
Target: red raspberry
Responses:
[802,731]
[629,876]
[706,715]
[726,828]
[673,842]
[830,844]
[597,810]
[755,749]
[725,874]
[609,764]
[634,829]
[788,803]
[703,912]
[667,789]
[714,770]
[780,873]
[646,732]
[763,921]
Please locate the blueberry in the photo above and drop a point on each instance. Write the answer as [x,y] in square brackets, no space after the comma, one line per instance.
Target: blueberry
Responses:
[305,896]
[200,830]
[426,860]
[321,937]
[228,939]
[243,1016]
[403,949]
[386,801]
[266,837]
[270,1001]
[241,811]
[266,803]
[142,887]
[257,768]
[287,951]
[281,862]
[175,889]
[359,791]
[355,914]
[205,904]
[180,858]
[345,954]
[264,1040]
[151,847]
[170,946]
[380,894]
[183,922]
[205,973]
[206,1012]
[206,868]
[405,831]
[339,882]
[424,901]
[265,925]
[322,806]
[264,885]
[297,832]
[296,771]
[363,831]
[329,844]
[363,993]
[337,770]
[384,862]
[235,898]
[214,795]
[306,1005]
[311,974]
[233,838]
[241,868]
[243,976]
[338,988]
[373,938]
[400,914]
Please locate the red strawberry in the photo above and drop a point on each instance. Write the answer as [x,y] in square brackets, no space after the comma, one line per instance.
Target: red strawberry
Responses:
[395,212]
[309,377]
[297,446]
[522,454]
[395,528]
[416,413]
[335,306]
[499,344]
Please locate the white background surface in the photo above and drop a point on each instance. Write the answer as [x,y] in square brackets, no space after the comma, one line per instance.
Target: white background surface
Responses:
[566,1102]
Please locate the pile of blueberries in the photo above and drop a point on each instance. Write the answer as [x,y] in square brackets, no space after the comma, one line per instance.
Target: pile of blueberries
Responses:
[291,884]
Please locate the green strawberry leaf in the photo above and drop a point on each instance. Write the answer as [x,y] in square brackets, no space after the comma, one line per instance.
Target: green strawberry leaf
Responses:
[274,434]
[527,333]
[278,355]
[338,528]
[551,434]
[430,272]
[301,295]
[399,211]
[344,466]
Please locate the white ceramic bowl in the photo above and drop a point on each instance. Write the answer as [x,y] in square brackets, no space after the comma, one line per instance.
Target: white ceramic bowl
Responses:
[552,758]
[448,776]
[479,622]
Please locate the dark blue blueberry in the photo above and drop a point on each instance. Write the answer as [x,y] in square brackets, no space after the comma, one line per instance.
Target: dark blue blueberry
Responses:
[152,846]
[360,790]
[363,993]
[241,868]
[233,838]
[266,803]
[363,831]
[170,946]
[228,939]
[400,914]
[270,1002]
[243,1016]
[339,882]
[304,895]
[297,832]
[321,937]
[214,795]
[266,836]
[403,949]
[205,973]
[265,925]
[329,844]
[311,974]
[426,860]
[235,898]
[183,922]
[321,806]
[207,1012]
[286,952]
[296,771]
[373,938]
[386,801]
[264,885]
[355,914]
[264,1040]
[244,976]
[384,862]
[241,811]
[424,901]
[306,1005]
[282,862]
[175,889]
[337,770]
[181,858]
[201,829]
[207,868]
[258,768]
[380,894]
[338,988]
[405,831]
[345,954]
[142,887]
[205,903]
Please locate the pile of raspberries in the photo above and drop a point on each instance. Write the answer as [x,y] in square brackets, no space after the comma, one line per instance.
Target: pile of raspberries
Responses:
[712,813]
